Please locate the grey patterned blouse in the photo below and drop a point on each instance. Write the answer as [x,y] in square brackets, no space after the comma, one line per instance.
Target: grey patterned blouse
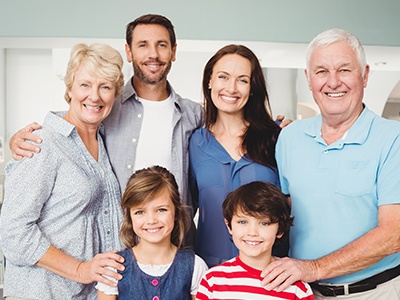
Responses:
[64,197]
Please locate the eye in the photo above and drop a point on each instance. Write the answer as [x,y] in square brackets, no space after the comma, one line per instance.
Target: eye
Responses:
[344,70]
[163,45]
[264,223]
[320,72]
[243,80]
[242,222]
[106,87]
[139,212]
[223,77]
[162,209]
[141,45]
[84,85]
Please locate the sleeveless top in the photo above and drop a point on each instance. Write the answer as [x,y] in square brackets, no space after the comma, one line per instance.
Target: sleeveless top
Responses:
[175,283]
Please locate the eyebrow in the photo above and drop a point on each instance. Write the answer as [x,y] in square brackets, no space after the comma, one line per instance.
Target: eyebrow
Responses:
[324,67]
[224,72]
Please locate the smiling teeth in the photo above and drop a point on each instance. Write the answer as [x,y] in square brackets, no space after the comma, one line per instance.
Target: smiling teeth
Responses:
[229,98]
[152,230]
[252,243]
[335,95]
[92,107]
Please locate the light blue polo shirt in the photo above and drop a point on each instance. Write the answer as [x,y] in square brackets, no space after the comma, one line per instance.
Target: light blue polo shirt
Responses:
[336,189]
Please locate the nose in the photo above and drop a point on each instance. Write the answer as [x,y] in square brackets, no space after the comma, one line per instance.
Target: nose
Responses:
[252,230]
[153,52]
[333,80]
[231,86]
[94,94]
[151,218]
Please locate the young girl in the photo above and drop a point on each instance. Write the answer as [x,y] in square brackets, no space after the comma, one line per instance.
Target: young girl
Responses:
[153,228]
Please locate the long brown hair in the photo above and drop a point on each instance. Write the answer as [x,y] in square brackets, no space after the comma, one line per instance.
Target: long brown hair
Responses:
[260,137]
[143,186]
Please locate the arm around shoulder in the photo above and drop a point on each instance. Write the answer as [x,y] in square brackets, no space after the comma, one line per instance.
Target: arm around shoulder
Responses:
[18,143]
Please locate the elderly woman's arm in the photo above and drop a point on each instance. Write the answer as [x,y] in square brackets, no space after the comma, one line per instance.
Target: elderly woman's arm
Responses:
[58,262]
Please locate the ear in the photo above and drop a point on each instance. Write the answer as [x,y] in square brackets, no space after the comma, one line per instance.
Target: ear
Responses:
[227,226]
[365,77]
[128,53]
[174,52]
[278,236]
[308,79]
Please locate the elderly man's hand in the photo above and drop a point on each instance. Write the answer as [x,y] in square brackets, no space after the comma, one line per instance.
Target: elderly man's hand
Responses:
[283,272]
[280,119]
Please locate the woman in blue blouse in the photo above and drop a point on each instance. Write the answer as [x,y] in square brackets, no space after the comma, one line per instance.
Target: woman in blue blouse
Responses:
[236,146]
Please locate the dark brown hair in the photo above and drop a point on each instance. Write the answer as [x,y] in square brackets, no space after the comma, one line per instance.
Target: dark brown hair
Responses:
[259,198]
[151,19]
[260,137]
[143,186]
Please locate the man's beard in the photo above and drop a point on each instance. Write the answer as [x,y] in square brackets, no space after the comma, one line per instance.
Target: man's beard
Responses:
[138,72]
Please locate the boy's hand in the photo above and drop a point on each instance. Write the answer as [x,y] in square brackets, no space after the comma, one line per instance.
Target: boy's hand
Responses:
[18,145]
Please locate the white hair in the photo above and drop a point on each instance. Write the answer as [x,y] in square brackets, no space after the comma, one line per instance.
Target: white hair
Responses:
[337,35]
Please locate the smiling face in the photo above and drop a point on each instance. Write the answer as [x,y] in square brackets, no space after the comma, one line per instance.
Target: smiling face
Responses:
[230,84]
[151,53]
[254,237]
[154,220]
[337,81]
[92,99]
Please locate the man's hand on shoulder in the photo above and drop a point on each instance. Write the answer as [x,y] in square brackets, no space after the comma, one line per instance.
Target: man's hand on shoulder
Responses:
[19,146]
[282,122]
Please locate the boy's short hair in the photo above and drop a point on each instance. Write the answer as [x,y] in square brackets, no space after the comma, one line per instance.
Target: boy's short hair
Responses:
[257,199]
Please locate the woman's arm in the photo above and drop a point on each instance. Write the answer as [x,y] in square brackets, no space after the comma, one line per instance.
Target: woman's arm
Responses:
[56,261]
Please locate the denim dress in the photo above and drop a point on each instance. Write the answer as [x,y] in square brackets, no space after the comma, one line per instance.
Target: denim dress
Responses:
[173,284]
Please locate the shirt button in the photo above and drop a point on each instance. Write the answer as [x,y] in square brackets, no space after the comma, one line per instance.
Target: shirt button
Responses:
[154,282]
[106,212]
[108,231]
[139,116]
[134,140]
[326,151]
[156,298]
[129,167]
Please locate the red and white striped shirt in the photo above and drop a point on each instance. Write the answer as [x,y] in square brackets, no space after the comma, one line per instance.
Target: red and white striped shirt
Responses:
[234,279]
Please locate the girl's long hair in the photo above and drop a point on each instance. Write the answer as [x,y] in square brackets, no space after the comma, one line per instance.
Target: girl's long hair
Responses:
[143,186]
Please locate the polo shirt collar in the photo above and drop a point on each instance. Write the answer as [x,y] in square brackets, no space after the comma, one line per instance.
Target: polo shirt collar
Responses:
[357,134]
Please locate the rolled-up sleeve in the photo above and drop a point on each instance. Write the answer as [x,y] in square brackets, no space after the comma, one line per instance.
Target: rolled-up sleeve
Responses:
[28,186]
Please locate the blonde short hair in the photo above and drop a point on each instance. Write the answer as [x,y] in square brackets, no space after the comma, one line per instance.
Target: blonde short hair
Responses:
[101,60]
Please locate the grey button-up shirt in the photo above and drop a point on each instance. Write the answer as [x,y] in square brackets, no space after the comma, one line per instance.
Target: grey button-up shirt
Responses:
[122,133]
[64,197]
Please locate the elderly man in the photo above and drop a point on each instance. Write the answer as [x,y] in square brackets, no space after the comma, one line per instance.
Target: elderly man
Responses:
[341,170]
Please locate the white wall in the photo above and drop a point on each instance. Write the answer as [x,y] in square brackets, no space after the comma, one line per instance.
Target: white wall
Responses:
[31,82]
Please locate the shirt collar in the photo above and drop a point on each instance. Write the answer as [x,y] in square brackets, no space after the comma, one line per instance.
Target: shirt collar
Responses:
[357,134]
[56,120]
[130,93]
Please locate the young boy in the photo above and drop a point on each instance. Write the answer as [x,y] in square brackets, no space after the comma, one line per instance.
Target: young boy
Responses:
[257,215]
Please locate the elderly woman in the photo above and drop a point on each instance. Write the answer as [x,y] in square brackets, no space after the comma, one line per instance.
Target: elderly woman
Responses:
[61,207]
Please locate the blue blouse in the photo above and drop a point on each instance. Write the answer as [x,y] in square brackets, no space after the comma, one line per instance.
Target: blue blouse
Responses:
[214,174]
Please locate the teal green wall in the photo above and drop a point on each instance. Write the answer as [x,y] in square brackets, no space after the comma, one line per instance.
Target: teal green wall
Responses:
[375,22]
